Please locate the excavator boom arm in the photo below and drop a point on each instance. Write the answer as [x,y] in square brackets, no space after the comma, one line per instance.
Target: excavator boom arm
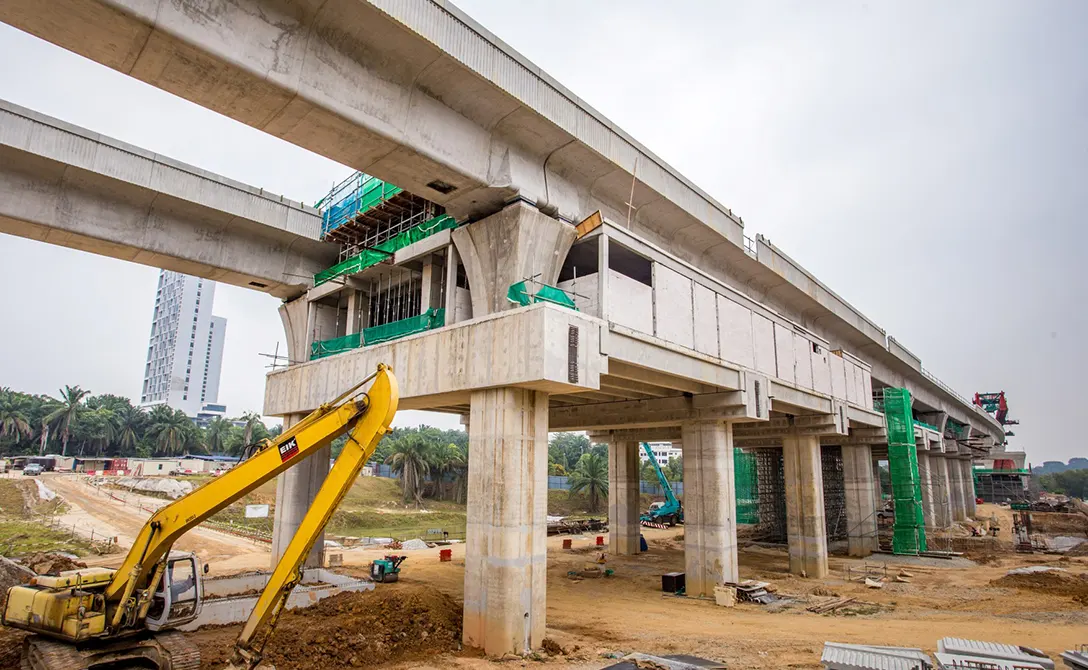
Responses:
[671,503]
[129,591]
[360,446]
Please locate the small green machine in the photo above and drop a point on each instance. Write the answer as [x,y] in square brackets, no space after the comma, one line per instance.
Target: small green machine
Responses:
[385,570]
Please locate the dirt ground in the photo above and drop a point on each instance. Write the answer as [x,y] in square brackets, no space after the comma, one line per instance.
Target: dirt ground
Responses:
[591,619]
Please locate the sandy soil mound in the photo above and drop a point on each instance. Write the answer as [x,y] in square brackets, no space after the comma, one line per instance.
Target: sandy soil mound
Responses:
[1055,582]
[392,623]
[51,564]
[1055,523]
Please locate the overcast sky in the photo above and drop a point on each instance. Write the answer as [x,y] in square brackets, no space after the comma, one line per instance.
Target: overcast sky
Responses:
[926,160]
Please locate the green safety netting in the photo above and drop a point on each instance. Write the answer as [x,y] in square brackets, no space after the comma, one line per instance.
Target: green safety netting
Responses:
[923,424]
[334,346]
[909,532]
[379,252]
[429,320]
[746,482]
[519,294]
[356,195]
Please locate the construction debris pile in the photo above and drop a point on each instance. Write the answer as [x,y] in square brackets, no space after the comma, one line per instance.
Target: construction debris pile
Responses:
[355,629]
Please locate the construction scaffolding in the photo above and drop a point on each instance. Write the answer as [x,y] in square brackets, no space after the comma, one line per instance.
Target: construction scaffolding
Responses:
[834,492]
[771,484]
[909,532]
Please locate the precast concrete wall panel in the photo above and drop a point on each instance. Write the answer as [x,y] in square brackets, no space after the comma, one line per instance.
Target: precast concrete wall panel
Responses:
[802,354]
[706,321]
[630,303]
[838,375]
[763,343]
[821,372]
[783,349]
[860,389]
[673,319]
[583,290]
[735,333]
[851,381]
[867,387]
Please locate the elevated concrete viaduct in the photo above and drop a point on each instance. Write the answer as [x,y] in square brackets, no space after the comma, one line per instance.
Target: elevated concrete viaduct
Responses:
[684,330]
[67,186]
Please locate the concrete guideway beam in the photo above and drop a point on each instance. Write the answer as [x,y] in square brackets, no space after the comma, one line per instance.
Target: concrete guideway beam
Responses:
[861,520]
[806,525]
[623,498]
[710,509]
[67,186]
[505,546]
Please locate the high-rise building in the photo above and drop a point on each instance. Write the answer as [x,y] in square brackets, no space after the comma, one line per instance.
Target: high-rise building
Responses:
[185,352]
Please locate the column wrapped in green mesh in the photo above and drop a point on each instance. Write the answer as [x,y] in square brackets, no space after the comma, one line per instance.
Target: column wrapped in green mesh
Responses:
[746,483]
[909,532]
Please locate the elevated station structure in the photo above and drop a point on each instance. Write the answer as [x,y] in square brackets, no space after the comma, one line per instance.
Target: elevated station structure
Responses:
[583,284]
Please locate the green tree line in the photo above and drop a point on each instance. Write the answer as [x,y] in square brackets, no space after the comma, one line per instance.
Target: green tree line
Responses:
[77,423]
[1073,483]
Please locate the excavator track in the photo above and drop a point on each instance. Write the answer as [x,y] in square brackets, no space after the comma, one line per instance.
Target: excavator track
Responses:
[168,651]
[184,655]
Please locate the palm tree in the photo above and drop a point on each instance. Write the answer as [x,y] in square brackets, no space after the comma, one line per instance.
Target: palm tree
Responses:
[217,433]
[60,419]
[13,418]
[172,430]
[411,458]
[99,428]
[251,419]
[590,476]
[128,422]
[451,460]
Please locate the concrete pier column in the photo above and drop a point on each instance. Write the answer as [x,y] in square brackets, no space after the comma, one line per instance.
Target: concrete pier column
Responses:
[969,488]
[505,555]
[623,498]
[295,491]
[925,472]
[942,494]
[878,492]
[507,247]
[710,506]
[857,471]
[806,525]
[430,290]
[955,476]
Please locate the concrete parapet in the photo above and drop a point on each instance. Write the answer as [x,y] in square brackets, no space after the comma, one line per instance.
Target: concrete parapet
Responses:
[710,510]
[806,525]
[623,498]
[505,553]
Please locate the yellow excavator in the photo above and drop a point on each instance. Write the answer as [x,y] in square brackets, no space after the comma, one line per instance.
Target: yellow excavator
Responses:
[99,618]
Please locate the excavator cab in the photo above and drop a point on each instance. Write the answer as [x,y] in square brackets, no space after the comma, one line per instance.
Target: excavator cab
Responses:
[180,593]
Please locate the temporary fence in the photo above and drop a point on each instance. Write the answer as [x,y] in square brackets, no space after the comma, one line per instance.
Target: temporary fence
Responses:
[334,346]
[381,251]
